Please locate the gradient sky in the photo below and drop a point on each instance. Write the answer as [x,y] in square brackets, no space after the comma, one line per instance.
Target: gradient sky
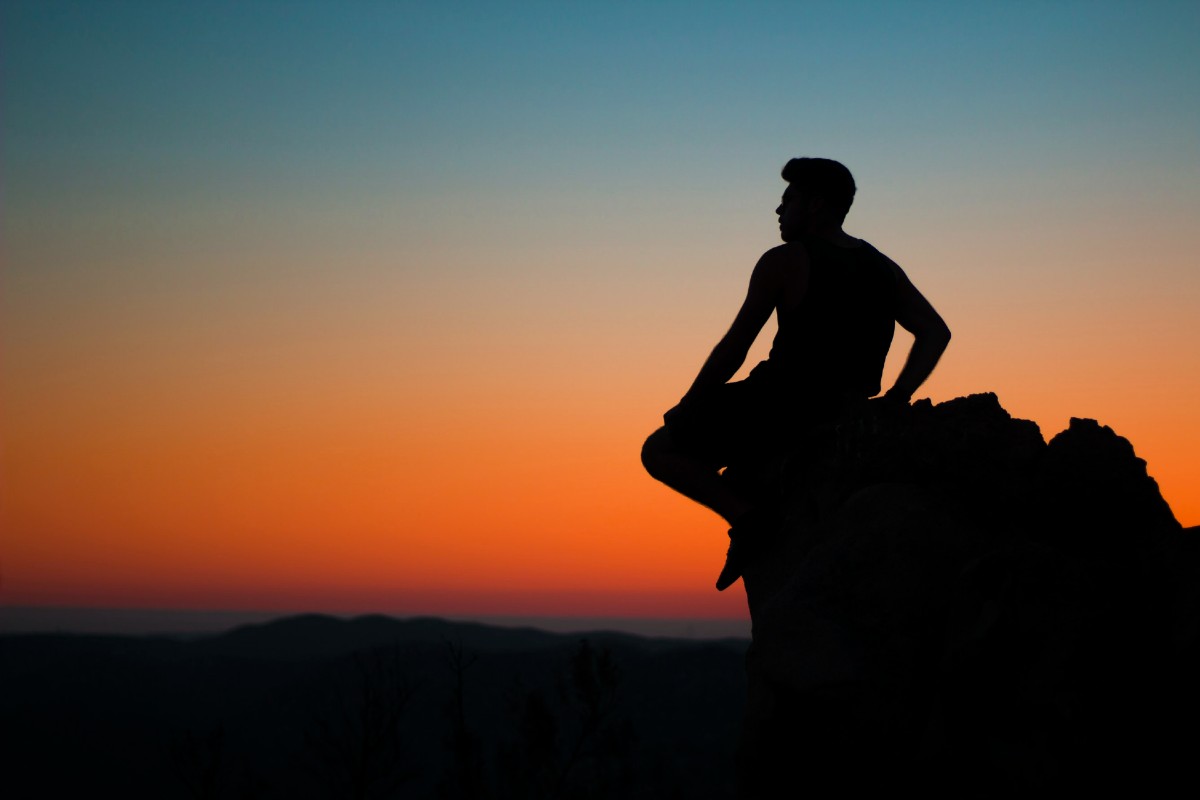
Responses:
[369,306]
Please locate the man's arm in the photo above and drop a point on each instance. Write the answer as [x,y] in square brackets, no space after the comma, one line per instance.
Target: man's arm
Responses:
[766,285]
[918,317]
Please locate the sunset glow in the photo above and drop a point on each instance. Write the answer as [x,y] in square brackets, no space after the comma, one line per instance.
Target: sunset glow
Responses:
[369,308]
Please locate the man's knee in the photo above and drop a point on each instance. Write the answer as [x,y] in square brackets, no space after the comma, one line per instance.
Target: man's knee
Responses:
[655,447]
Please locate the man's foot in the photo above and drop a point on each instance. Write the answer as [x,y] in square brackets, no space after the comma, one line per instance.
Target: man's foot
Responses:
[751,530]
[733,564]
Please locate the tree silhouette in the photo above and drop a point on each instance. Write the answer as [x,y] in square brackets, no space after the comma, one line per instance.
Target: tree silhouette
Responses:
[577,749]
[356,752]
[198,761]
[465,776]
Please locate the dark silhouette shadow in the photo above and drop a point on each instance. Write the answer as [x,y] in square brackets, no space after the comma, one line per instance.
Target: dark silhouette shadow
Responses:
[943,603]
[972,612]
[837,300]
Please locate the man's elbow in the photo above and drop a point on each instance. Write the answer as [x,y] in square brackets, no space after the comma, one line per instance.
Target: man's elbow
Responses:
[943,333]
[935,335]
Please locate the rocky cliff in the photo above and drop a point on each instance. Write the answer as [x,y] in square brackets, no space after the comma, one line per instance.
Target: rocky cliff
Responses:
[957,607]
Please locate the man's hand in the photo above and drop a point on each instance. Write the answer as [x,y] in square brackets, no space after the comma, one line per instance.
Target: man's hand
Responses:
[680,409]
[889,406]
[672,413]
[894,398]
[930,338]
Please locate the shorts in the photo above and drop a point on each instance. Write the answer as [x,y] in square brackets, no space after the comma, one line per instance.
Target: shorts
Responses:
[747,421]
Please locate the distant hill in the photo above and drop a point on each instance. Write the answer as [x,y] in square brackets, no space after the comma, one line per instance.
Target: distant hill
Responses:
[316,635]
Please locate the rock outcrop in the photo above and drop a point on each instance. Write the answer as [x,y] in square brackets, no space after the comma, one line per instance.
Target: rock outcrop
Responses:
[959,608]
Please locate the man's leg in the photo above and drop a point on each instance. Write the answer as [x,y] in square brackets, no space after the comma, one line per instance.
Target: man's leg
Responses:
[691,477]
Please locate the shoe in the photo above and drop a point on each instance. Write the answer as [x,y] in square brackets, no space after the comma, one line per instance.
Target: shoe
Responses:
[733,564]
[752,530]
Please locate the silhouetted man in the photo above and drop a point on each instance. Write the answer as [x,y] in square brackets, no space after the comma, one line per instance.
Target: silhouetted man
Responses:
[837,300]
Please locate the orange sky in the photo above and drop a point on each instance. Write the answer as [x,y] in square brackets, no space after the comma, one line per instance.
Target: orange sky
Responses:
[288,462]
[374,312]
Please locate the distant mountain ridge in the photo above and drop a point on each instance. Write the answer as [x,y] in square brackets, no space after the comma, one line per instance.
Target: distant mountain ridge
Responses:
[320,635]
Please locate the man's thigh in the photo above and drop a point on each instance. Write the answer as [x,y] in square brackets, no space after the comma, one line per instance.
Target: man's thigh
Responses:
[731,423]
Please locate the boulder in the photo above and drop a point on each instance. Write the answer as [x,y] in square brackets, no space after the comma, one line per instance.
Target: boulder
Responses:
[957,607]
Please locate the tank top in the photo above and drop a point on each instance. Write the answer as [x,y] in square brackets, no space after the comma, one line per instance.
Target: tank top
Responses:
[835,341]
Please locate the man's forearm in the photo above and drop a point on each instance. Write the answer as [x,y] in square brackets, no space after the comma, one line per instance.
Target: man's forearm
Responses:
[922,358]
[721,365]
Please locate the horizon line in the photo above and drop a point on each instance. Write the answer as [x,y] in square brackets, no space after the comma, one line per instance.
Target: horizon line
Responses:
[141,621]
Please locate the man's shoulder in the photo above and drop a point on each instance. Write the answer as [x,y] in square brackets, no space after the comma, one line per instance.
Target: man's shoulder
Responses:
[786,253]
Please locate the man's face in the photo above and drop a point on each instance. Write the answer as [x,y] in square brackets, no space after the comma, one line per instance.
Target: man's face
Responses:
[795,212]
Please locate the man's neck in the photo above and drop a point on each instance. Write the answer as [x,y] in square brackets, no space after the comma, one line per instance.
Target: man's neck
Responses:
[836,236]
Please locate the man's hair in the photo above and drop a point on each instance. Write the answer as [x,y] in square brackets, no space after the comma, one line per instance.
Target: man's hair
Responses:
[825,178]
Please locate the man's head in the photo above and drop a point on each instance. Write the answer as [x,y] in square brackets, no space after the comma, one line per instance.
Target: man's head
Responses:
[819,190]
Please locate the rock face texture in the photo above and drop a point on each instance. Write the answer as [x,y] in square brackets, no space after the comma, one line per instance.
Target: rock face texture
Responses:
[959,608]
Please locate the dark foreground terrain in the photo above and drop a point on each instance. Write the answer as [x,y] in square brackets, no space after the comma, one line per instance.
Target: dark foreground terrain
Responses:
[950,607]
[956,607]
[371,707]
